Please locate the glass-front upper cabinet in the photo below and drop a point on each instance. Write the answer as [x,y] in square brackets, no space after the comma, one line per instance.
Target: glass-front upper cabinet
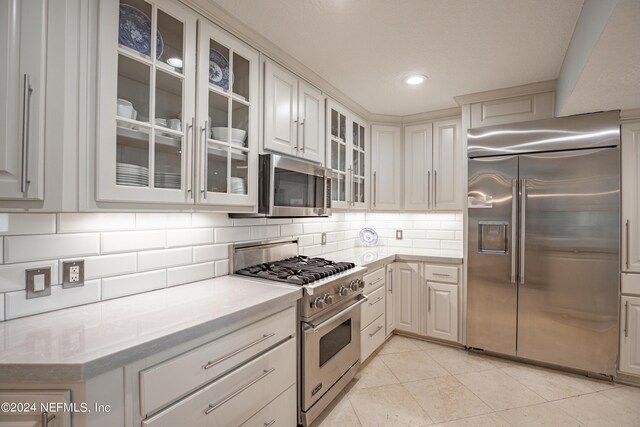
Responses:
[347,156]
[227,117]
[146,110]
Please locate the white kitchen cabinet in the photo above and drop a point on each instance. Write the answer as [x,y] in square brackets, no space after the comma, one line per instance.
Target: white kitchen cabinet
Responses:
[227,121]
[293,115]
[406,288]
[23,44]
[448,152]
[418,167]
[630,197]
[386,167]
[35,400]
[630,335]
[535,106]
[442,311]
[348,157]
[390,324]
[165,137]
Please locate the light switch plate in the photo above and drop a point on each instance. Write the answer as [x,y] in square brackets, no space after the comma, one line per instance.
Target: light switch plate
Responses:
[72,274]
[398,234]
[323,239]
[35,277]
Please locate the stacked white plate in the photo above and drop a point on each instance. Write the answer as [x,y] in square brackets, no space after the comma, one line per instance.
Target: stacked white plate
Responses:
[238,136]
[167,180]
[134,175]
[238,185]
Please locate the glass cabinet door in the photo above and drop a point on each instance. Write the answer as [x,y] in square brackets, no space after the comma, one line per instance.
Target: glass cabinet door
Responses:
[359,155]
[147,101]
[227,118]
[338,162]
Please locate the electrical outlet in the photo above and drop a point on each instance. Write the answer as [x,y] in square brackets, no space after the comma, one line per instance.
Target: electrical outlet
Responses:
[398,234]
[38,282]
[72,274]
[323,239]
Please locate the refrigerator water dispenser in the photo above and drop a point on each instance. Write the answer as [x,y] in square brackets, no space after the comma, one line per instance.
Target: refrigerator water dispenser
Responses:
[493,237]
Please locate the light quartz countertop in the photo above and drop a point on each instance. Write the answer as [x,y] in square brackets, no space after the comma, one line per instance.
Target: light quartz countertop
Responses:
[76,344]
[373,257]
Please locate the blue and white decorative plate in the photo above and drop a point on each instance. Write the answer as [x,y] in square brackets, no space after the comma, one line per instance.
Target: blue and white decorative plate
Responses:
[135,31]
[218,69]
[368,236]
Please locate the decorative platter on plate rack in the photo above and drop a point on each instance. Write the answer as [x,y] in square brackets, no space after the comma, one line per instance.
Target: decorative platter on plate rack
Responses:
[218,69]
[135,31]
[368,236]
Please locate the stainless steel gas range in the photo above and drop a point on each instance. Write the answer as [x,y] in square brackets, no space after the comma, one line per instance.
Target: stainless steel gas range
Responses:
[328,313]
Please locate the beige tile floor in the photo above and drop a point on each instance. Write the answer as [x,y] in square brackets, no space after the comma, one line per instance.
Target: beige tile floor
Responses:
[415,383]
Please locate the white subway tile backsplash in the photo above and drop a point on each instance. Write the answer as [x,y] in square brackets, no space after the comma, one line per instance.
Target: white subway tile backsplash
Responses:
[158,221]
[443,235]
[17,304]
[191,237]
[279,221]
[13,276]
[200,220]
[414,234]
[48,246]
[459,235]
[265,232]
[232,234]
[210,253]
[451,225]
[249,221]
[190,273]
[15,224]
[312,250]
[312,227]
[330,247]
[120,286]
[154,260]
[222,267]
[290,229]
[451,244]
[306,240]
[428,244]
[128,241]
[85,222]
[108,265]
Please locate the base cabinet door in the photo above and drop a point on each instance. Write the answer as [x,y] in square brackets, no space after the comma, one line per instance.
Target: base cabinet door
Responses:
[35,401]
[406,283]
[630,335]
[442,311]
[390,301]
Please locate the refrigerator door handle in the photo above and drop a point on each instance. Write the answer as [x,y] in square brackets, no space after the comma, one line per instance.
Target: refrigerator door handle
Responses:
[514,228]
[523,213]
[626,238]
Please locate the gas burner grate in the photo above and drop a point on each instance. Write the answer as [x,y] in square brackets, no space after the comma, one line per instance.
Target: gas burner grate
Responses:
[298,270]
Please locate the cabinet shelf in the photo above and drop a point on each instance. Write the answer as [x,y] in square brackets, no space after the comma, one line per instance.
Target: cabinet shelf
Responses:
[143,137]
[223,152]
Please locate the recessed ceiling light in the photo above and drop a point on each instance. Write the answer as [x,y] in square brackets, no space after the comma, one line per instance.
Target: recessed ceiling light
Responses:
[415,79]
[175,62]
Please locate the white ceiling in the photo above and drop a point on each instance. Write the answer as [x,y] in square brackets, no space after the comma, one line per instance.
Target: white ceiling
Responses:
[366,47]
[610,79]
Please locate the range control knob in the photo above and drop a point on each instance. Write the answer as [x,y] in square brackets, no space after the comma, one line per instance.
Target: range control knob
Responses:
[343,291]
[354,285]
[361,283]
[328,299]
[318,302]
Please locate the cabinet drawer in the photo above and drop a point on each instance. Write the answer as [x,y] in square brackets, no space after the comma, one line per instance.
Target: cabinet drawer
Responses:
[164,383]
[371,337]
[631,283]
[281,412]
[234,398]
[372,308]
[373,280]
[441,273]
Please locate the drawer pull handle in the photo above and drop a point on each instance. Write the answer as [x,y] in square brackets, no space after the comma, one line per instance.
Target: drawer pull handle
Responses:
[376,331]
[441,274]
[376,281]
[376,301]
[46,418]
[240,350]
[269,423]
[626,319]
[212,407]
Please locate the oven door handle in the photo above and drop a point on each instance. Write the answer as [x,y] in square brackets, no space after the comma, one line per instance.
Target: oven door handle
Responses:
[315,328]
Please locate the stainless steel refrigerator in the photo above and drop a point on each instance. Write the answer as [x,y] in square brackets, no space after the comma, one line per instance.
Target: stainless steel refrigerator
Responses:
[543,240]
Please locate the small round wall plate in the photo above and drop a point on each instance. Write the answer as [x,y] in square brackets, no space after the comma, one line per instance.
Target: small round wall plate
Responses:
[368,236]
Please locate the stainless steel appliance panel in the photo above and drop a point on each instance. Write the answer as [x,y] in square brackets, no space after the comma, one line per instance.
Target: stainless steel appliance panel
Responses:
[491,287]
[568,284]
[564,133]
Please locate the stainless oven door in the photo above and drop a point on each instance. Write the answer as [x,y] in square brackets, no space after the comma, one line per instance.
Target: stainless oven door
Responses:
[329,348]
[297,188]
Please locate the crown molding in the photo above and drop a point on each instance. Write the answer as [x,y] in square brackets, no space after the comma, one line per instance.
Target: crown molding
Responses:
[508,92]
[630,114]
[447,113]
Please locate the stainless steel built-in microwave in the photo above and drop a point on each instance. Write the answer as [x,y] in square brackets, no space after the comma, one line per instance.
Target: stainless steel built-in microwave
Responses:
[293,188]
